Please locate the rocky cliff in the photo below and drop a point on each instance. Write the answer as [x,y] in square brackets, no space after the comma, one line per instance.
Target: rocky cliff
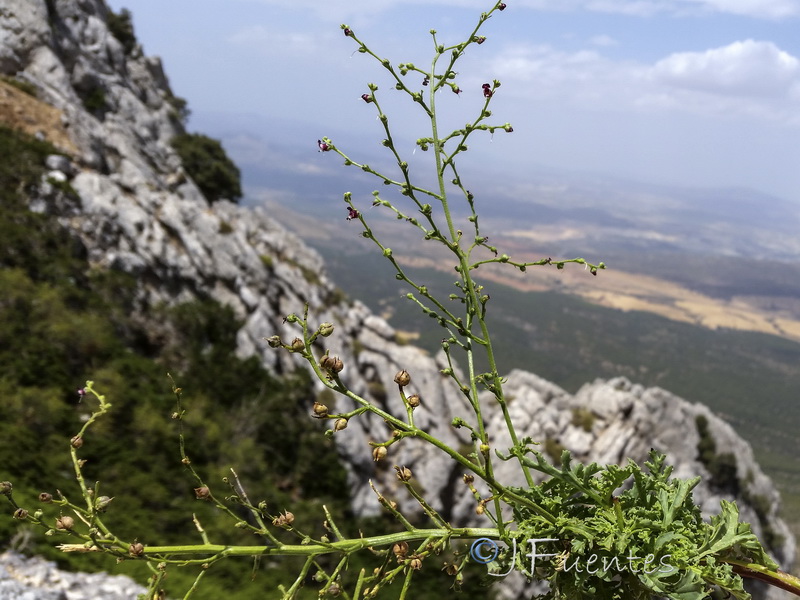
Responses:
[110,109]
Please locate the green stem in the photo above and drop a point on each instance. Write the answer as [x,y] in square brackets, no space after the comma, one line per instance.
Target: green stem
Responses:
[348,545]
[777,578]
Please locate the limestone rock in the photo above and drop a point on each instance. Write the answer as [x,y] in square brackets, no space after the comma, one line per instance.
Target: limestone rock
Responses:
[34,578]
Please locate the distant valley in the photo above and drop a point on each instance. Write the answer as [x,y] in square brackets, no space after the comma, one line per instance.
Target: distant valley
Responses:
[701,295]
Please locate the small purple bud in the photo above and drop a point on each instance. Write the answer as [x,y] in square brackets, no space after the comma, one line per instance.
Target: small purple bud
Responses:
[366,98]
[502,6]
[348,32]
[81,392]
[352,213]
[426,81]
[456,90]
[508,128]
[487,92]
[323,146]
[479,39]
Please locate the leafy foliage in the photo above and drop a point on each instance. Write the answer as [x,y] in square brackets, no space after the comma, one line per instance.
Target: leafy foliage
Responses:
[721,466]
[61,320]
[121,27]
[209,167]
[648,539]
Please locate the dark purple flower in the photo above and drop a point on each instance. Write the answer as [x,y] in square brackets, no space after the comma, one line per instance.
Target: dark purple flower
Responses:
[348,32]
[487,90]
[352,213]
[366,98]
[323,146]
[426,81]
[479,39]
[502,6]
[456,89]
[508,128]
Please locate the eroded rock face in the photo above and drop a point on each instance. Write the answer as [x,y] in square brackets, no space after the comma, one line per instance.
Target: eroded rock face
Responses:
[26,578]
[139,213]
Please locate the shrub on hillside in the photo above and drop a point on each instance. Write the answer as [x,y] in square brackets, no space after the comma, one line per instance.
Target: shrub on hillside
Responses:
[206,162]
[121,27]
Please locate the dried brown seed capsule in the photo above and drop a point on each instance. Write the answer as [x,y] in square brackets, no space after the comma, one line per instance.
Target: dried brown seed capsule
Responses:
[21,514]
[298,345]
[76,441]
[340,424]
[416,563]
[468,479]
[274,341]
[379,453]
[320,410]
[450,569]
[202,493]
[332,364]
[6,487]
[400,550]
[136,549]
[283,520]
[413,400]
[402,378]
[334,589]
[403,473]
[326,329]
[65,522]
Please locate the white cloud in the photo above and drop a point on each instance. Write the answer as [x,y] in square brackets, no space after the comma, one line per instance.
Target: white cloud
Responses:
[747,68]
[603,41]
[762,9]
[350,9]
[356,11]
[360,11]
[262,38]
[582,78]
[744,78]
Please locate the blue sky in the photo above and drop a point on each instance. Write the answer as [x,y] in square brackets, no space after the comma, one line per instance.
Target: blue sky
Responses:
[686,92]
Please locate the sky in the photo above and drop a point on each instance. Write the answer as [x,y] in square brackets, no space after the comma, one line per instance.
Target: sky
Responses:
[680,92]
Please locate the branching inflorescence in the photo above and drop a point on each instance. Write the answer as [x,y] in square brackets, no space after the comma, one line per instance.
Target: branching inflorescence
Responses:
[616,531]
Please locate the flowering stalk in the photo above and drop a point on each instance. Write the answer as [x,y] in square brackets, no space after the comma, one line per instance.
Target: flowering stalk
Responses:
[468,331]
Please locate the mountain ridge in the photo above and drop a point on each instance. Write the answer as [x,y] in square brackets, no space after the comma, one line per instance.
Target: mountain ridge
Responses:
[135,210]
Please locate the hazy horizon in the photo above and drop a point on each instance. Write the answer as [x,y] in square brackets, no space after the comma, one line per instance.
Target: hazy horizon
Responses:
[701,93]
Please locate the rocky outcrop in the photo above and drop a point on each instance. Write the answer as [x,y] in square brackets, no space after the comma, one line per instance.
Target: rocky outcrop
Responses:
[24,578]
[135,210]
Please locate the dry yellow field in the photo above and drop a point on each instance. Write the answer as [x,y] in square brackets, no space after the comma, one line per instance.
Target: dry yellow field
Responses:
[629,291]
